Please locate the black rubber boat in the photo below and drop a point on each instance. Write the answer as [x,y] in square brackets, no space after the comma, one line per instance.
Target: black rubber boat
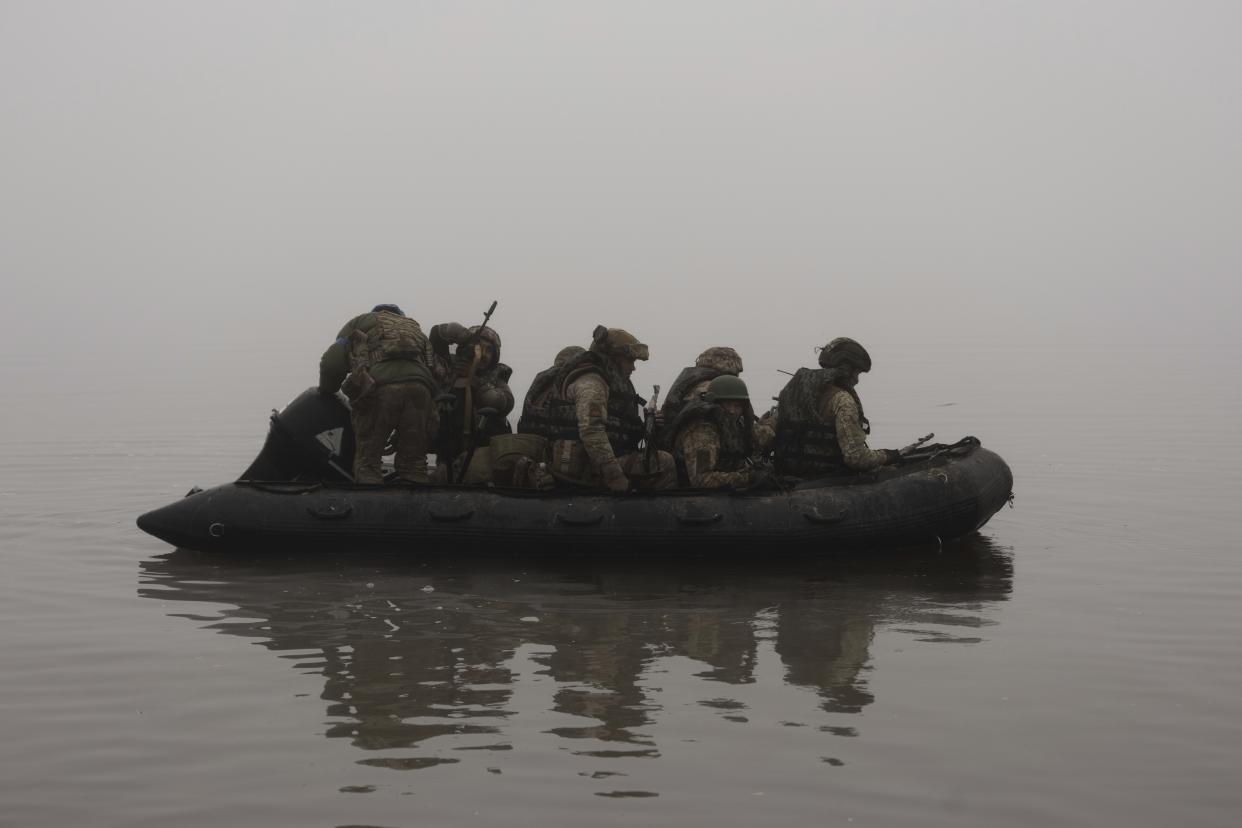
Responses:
[296,495]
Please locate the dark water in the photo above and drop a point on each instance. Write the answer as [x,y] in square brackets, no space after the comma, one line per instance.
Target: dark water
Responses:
[1076,663]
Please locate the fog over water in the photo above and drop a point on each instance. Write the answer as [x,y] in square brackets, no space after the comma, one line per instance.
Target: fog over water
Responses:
[1027,212]
[914,172]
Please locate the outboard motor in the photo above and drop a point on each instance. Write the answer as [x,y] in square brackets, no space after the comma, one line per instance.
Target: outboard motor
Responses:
[310,440]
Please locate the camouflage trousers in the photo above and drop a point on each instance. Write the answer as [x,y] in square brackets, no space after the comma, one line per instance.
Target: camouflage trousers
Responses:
[569,465]
[663,470]
[404,407]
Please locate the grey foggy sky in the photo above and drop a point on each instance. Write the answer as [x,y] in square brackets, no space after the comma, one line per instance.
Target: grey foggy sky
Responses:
[769,174]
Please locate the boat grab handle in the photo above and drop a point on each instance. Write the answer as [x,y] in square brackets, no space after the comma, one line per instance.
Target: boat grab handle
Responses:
[331,511]
[815,517]
[585,520]
[699,520]
[451,517]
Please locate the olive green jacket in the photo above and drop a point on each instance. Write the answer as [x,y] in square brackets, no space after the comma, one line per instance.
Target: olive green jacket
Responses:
[334,364]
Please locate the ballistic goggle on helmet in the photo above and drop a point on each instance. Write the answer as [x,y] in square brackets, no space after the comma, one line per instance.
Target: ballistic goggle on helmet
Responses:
[617,342]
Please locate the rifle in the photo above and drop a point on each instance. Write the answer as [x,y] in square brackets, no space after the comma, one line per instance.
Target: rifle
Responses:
[467,414]
[488,315]
[907,449]
[649,423]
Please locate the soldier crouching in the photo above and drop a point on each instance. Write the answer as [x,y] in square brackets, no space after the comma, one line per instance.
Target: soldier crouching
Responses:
[715,442]
[474,366]
[822,429]
[379,360]
[595,421]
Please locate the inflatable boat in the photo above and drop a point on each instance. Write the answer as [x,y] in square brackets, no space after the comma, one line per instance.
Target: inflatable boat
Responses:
[297,495]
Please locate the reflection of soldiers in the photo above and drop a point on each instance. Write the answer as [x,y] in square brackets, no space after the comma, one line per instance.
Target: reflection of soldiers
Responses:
[713,440]
[822,429]
[534,407]
[597,418]
[389,385]
[474,363]
[434,672]
[826,648]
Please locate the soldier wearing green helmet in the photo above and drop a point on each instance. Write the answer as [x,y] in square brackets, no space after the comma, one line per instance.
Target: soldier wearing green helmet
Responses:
[822,429]
[713,438]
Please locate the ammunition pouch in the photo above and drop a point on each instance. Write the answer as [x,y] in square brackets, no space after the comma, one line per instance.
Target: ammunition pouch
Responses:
[513,455]
[569,462]
[358,384]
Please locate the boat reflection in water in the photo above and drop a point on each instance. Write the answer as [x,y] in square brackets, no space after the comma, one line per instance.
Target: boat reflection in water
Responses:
[425,662]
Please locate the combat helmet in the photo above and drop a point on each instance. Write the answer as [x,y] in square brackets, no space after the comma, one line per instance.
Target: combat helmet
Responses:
[617,342]
[844,351]
[720,358]
[567,353]
[489,336]
[726,387]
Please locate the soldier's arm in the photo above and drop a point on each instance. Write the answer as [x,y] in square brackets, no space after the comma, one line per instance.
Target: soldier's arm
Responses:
[699,446]
[589,394]
[503,389]
[764,432]
[334,364]
[446,334]
[850,435]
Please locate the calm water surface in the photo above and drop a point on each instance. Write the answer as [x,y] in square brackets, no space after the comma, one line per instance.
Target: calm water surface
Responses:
[1079,662]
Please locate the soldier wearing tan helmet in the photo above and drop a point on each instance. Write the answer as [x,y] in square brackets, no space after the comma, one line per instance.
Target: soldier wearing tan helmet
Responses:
[693,380]
[595,421]
[822,428]
[692,383]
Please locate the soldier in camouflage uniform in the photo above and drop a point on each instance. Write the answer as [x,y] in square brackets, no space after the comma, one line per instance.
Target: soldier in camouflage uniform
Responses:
[594,419]
[692,382]
[713,438]
[488,383]
[694,379]
[822,429]
[381,361]
[535,405]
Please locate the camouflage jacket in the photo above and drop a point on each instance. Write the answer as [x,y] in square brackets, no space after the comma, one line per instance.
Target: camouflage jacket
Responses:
[841,408]
[593,404]
[712,449]
[821,428]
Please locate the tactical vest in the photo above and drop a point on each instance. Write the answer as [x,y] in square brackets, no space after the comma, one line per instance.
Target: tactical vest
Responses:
[536,400]
[392,337]
[736,437]
[687,379]
[805,445]
[623,421]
